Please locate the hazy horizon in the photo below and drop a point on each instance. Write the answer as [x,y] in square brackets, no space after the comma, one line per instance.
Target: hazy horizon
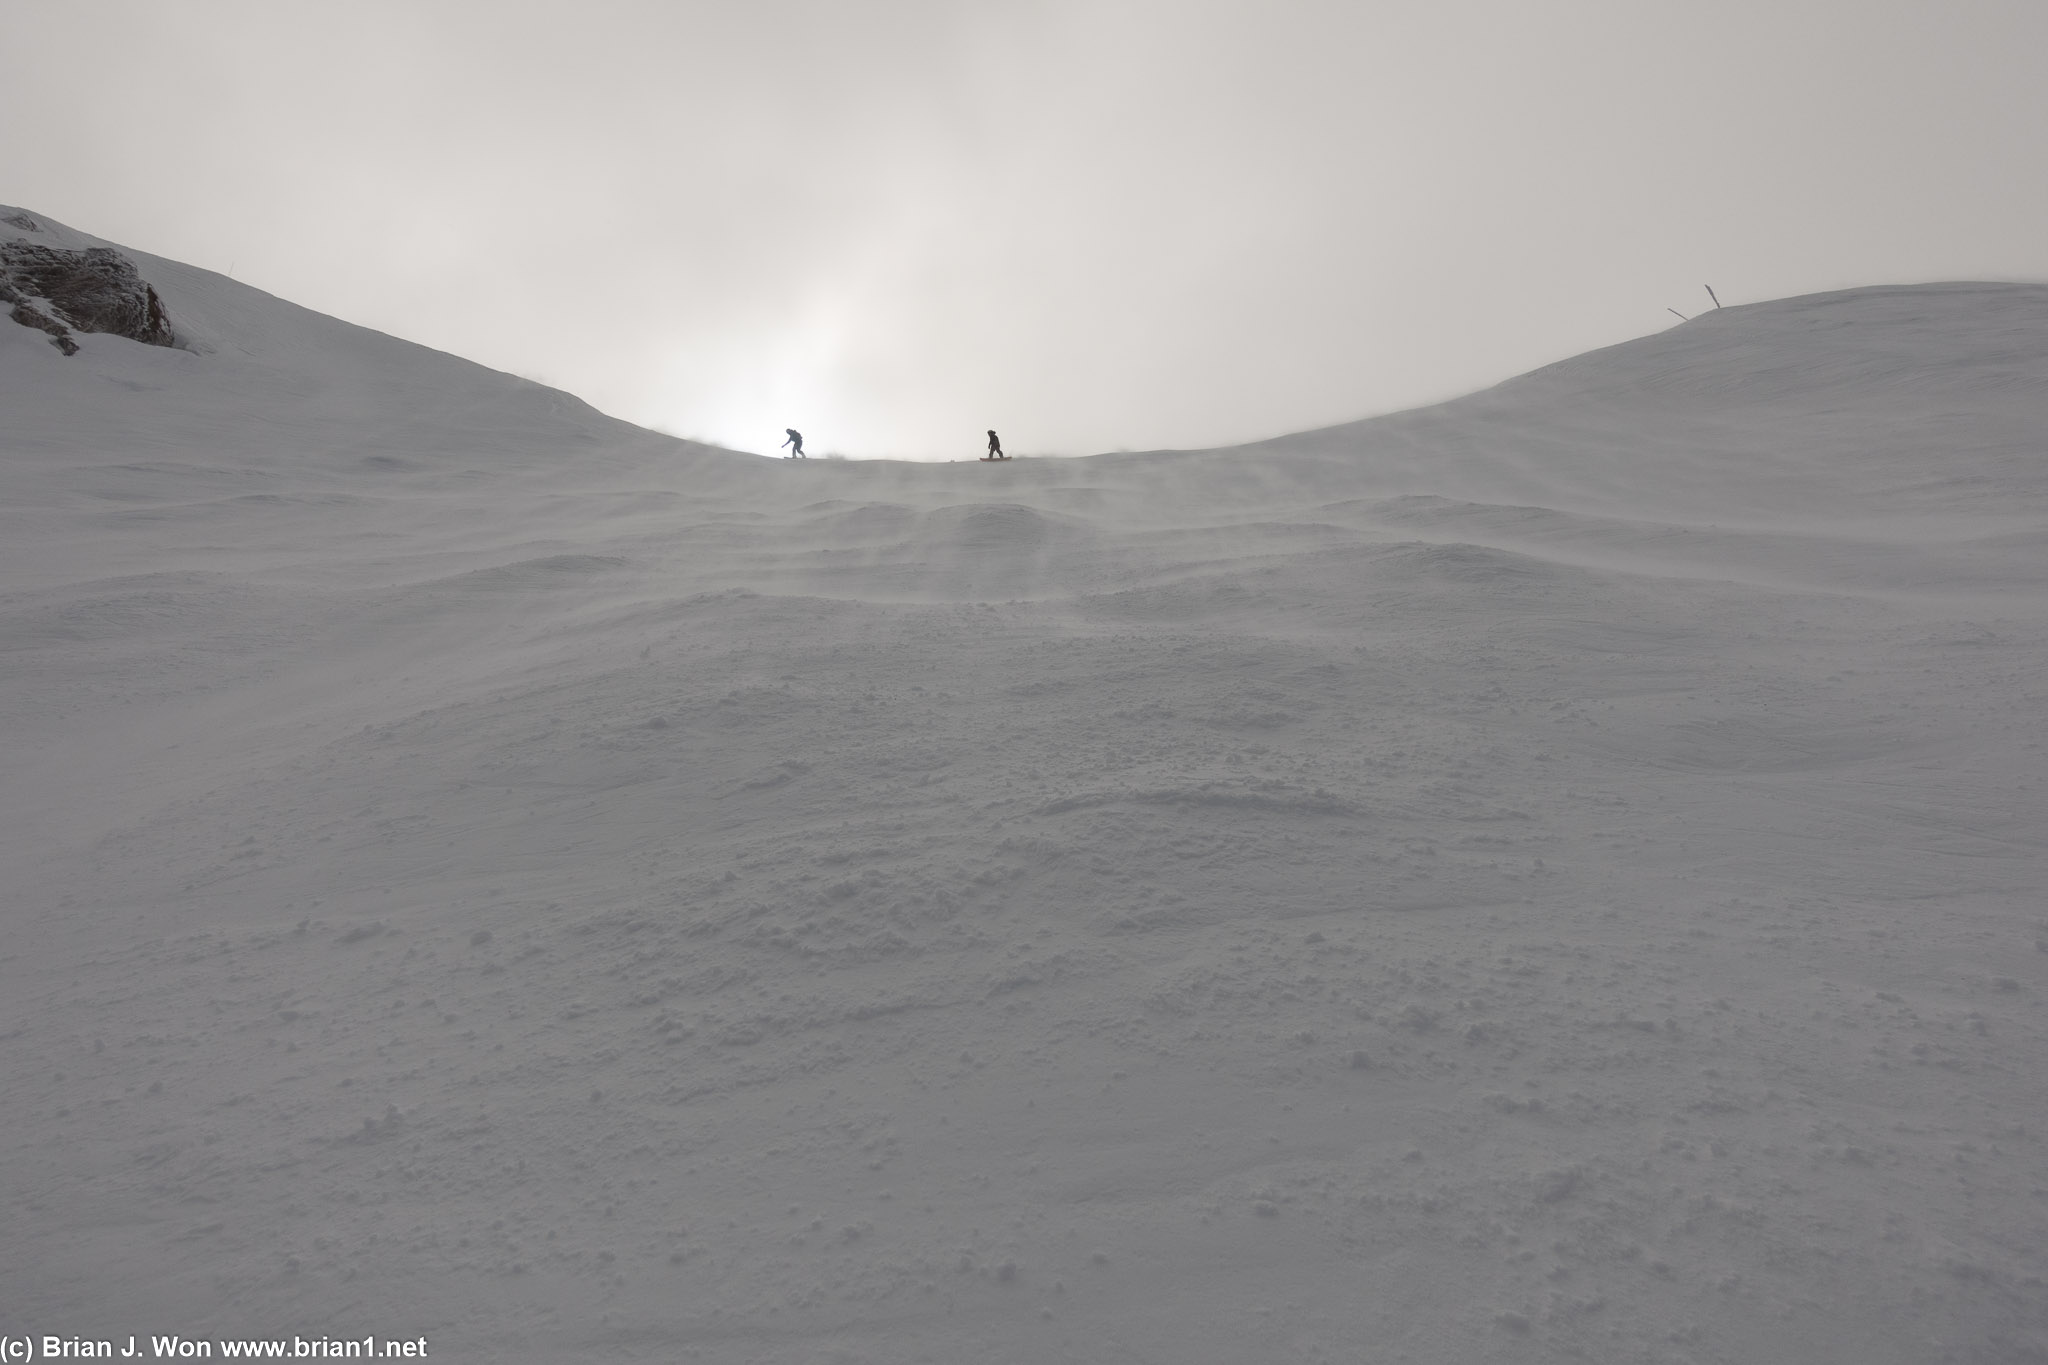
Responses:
[1090,227]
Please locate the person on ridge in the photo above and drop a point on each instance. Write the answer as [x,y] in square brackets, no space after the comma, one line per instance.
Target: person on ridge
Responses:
[995,448]
[796,444]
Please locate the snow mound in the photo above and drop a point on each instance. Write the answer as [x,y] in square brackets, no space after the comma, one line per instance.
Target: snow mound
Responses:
[256,387]
[1841,407]
[1897,339]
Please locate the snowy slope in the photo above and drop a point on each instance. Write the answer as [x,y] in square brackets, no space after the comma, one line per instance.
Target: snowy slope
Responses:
[1551,876]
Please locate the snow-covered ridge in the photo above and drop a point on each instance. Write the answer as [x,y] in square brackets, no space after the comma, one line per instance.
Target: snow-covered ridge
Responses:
[265,388]
[1553,876]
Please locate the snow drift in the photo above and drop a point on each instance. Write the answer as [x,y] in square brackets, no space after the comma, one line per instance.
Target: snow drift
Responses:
[1554,875]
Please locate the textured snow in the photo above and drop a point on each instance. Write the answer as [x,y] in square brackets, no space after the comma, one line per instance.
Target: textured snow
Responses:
[1556,875]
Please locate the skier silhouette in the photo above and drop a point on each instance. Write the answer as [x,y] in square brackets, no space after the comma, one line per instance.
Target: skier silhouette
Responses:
[796,444]
[995,448]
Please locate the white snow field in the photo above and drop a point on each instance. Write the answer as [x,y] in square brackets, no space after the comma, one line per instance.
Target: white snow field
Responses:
[1553,876]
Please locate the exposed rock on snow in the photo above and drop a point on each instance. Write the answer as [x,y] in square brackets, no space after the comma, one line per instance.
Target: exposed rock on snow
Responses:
[28,315]
[96,289]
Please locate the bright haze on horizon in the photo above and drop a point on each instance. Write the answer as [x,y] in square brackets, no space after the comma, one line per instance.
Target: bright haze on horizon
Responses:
[1088,225]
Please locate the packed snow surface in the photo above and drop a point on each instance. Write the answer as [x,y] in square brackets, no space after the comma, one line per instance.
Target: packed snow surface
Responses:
[1554,876]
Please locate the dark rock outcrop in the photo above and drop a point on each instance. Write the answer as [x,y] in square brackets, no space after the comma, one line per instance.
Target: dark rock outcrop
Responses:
[94,290]
[28,315]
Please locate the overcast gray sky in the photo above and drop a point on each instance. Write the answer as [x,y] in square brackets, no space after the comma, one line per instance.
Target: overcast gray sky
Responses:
[1124,223]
